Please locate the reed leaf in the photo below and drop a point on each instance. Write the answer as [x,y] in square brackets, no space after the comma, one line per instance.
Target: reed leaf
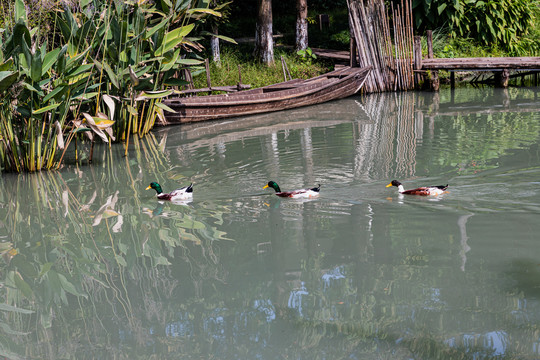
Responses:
[104,55]
[46,108]
[7,78]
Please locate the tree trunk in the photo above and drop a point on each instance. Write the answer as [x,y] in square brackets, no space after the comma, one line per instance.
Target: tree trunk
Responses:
[214,46]
[264,44]
[301,25]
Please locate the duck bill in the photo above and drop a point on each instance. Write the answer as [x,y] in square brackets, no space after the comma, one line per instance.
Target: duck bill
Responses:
[389,185]
[265,186]
[149,187]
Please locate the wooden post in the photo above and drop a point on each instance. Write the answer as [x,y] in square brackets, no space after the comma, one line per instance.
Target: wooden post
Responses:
[429,38]
[353,57]
[324,21]
[417,58]
[506,98]
[452,79]
[207,68]
[283,68]
[239,79]
[434,82]
[186,75]
[501,78]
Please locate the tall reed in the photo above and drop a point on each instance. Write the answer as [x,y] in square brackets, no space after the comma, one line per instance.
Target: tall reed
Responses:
[102,71]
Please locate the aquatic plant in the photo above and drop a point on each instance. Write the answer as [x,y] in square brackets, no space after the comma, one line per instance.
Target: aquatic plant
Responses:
[101,72]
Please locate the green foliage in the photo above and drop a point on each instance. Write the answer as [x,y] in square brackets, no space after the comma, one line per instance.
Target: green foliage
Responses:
[446,46]
[494,21]
[306,55]
[342,37]
[336,36]
[36,102]
[503,23]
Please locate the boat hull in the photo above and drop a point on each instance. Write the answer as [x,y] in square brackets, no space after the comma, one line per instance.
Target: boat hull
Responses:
[337,84]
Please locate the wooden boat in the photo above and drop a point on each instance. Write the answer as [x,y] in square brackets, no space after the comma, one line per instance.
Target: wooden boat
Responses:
[291,94]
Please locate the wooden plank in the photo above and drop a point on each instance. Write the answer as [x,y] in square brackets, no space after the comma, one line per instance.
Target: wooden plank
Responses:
[482,63]
[429,37]
[232,88]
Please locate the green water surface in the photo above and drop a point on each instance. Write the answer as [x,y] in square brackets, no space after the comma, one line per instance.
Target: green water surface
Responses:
[94,267]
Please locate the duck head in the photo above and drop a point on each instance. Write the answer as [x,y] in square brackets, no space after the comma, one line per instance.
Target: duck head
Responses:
[394,183]
[155,186]
[273,185]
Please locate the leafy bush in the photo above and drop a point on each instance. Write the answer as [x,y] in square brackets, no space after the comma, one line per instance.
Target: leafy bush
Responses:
[491,22]
[343,37]
[306,55]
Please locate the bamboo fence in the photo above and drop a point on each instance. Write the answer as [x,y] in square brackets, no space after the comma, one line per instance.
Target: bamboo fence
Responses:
[383,40]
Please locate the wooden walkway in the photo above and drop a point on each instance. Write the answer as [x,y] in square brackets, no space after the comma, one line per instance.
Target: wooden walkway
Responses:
[500,66]
[482,64]
[453,64]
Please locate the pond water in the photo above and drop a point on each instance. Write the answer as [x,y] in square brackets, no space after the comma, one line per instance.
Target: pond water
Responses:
[94,266]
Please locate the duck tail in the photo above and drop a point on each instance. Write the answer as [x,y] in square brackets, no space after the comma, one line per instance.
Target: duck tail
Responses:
[316,189]
[190,188]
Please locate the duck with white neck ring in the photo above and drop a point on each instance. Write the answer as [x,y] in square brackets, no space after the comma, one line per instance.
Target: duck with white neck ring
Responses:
[296,194]
[422,191]
[182,194]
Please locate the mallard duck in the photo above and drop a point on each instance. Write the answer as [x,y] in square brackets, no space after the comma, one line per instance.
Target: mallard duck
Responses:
[296,194]
[423,191]
[184,193]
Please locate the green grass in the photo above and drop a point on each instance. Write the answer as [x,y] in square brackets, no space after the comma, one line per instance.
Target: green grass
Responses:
[255,73]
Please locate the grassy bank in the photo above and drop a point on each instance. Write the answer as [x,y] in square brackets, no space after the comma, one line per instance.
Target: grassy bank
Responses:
[255,73]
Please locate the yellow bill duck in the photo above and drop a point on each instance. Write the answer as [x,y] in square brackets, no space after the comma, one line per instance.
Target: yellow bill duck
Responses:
[422,191]
[185,193]
[296,194]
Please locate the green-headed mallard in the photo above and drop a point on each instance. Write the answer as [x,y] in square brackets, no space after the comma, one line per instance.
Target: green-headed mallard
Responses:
[185,193]
[296,194]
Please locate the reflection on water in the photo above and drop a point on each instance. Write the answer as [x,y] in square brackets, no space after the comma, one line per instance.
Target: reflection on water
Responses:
[93,266]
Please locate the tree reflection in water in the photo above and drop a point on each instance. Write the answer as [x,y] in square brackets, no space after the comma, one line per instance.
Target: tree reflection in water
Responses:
[93,267]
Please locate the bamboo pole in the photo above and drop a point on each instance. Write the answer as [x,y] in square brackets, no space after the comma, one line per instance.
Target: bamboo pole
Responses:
[391,67]
[388,50]
[406,24]
[403,45]
[417,56]
[397,84]
[409,43]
